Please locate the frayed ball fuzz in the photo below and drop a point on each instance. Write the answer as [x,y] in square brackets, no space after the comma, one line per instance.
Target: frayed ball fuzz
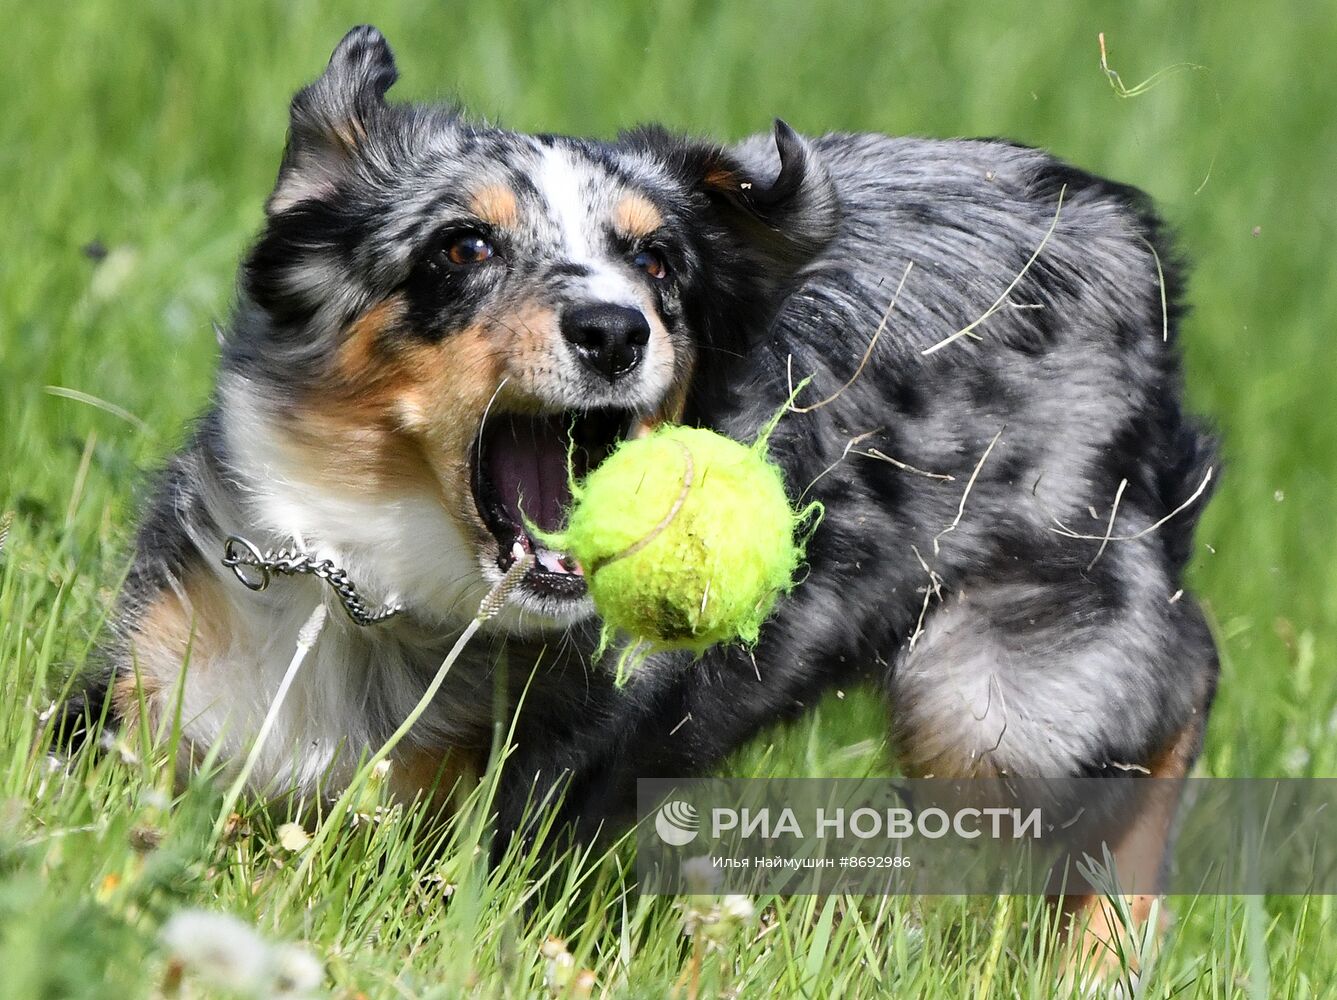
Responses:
[687,539]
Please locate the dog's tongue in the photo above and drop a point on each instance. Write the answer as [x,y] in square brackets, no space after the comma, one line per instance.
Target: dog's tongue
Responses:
[527,466]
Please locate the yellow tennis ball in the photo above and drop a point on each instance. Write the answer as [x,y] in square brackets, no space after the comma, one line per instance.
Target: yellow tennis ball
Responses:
[686,538]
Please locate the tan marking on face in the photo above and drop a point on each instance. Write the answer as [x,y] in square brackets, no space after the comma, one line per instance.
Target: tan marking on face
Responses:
[401,414]
[495,204]
[674,404]
[532,336]
[348,435]
[440,403]
[359,431]
[635,216]
[359,363]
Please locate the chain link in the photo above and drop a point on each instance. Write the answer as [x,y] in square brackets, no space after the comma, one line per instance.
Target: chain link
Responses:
[241,556]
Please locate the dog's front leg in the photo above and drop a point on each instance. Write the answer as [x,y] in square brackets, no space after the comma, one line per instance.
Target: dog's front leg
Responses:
[675,719]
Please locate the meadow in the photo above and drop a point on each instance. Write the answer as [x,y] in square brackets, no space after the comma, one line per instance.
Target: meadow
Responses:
[137,144]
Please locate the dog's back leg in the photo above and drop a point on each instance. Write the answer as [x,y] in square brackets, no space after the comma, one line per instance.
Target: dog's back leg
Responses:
[1097,930]
[1027,680]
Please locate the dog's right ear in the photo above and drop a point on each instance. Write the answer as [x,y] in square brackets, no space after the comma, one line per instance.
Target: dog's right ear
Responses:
[332,119]
[773,191]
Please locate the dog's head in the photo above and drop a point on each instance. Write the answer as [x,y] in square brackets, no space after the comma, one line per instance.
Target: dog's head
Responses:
[439,306]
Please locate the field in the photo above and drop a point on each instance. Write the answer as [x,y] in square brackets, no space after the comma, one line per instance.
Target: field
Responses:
[137,143]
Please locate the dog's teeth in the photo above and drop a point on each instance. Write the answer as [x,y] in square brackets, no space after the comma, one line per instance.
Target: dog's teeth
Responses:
[558,562]
[517,550]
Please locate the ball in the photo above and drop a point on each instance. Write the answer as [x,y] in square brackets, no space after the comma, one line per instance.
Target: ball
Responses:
[686,538]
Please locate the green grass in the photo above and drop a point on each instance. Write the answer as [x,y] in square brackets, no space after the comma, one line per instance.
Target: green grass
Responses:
[155,128]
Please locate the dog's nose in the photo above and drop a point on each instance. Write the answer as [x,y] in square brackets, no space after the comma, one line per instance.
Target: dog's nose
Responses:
[609,339]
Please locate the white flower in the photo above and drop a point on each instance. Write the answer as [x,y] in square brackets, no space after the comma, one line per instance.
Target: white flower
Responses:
[298,973]
[227,953]
[559,973]
[219,948]
[109,743]
[737,908]
[293,837]
[552,947]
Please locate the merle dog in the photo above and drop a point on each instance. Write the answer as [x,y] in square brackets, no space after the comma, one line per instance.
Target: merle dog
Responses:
[994,427]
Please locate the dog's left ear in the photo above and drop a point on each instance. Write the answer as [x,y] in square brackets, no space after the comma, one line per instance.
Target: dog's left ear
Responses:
[773,190]
[332,119]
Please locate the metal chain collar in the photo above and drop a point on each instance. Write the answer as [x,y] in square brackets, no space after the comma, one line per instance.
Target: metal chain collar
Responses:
[242,557]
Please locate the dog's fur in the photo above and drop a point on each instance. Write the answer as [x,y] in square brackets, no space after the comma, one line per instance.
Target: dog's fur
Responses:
[962,562]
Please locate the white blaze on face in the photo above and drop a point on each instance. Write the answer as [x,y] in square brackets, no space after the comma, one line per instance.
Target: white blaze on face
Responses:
[563,184]
[578,198]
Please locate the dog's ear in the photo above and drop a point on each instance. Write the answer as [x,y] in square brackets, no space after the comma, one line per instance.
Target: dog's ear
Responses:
[332,119]
[782,184]
[774,190]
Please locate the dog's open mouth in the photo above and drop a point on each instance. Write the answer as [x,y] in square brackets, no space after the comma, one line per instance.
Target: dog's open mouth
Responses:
[520,478]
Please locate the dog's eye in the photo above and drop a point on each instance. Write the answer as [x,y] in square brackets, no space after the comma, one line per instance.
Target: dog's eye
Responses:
[652,263]
[468,248]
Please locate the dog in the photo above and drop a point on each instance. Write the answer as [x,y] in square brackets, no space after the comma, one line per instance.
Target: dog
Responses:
[993,425]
